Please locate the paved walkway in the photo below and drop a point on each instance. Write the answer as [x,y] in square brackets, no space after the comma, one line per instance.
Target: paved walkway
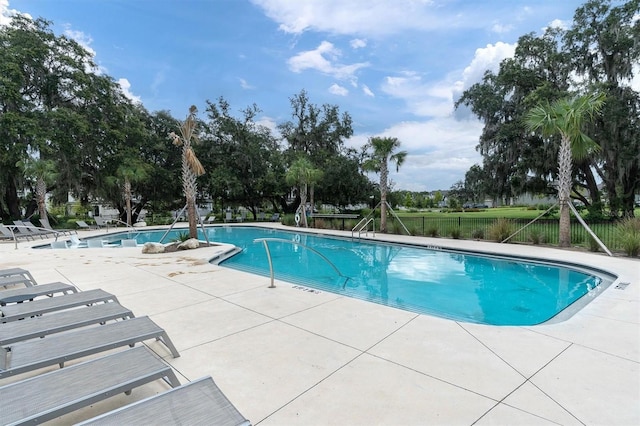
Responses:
[286,356]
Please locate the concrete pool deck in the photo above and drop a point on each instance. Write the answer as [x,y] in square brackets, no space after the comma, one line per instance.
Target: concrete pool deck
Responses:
[289,356]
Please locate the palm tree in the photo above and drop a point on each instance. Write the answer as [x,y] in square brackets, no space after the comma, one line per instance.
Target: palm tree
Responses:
[565,117]
[131,171]
[380,152]
[303,174]
[191,166]
[44,173]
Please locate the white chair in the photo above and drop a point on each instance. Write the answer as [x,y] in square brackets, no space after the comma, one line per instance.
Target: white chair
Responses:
[58,244]
[93,243]
[129,243]
[77,242]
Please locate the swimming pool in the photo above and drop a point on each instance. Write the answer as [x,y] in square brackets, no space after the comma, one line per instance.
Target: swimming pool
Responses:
[450,284]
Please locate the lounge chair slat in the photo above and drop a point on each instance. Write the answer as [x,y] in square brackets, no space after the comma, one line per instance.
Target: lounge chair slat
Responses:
[50,395]
[57,322]
[38,307]
[199,402]
[21,294]
[15,271]
[58,348]
[13,276]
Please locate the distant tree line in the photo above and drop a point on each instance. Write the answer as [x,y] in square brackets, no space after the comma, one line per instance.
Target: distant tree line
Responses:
[597,54]
[67,129]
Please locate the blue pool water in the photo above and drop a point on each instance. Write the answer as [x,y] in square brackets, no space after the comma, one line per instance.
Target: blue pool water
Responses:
[456,285]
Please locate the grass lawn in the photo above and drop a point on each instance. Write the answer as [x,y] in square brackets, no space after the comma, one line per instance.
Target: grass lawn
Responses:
[494,213]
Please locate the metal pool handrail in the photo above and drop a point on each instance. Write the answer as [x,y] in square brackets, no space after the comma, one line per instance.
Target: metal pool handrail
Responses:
[297,243]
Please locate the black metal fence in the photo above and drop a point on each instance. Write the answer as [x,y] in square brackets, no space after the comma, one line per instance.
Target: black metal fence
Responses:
[542,231]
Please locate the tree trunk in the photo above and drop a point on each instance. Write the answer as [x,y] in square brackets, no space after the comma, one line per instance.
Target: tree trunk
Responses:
[127,199]
[41,194]
[564,188]
[303,206]
[384,175]
[191,215]
[11,198]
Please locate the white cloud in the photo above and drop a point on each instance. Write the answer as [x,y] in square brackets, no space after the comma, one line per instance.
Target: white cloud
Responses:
[338,90]
[635,81]
[126,86]
[486,58]
[270,123]
[245,85]
[324,59]
[158,80]
[6,14]
[423,98]
[367,17]
[367,91]
[440,151]
[501,28]
[441,148]
[358,43]
[81,38]
[558,23]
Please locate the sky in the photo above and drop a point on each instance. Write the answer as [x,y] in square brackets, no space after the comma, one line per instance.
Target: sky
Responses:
[396,66]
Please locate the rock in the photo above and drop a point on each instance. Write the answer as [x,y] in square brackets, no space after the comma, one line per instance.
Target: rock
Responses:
[140,224]
[151,248]
[191,243]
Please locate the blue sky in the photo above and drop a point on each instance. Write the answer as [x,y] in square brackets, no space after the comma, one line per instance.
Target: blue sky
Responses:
[396,66]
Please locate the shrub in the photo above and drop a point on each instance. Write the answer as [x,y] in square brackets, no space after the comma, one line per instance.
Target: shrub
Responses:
[628,236]
[431,231]
[500,229]
[288,219]
[319,223]
[592,244]
[478,234]
[181,237]
[536,236]
[577,238]
[455,233]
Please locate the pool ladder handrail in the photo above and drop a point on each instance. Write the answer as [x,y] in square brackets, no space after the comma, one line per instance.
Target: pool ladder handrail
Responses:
[265,242]
[363,225]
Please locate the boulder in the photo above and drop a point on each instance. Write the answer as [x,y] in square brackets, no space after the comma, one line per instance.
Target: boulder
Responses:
[191,243]
[151,248]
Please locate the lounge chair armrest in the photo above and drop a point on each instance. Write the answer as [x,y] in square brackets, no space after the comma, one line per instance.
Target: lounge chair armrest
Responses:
[4,358]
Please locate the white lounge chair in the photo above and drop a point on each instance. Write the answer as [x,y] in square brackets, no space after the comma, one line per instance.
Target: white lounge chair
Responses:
[95,243]
[77,242]
[129,243]
[58,244]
